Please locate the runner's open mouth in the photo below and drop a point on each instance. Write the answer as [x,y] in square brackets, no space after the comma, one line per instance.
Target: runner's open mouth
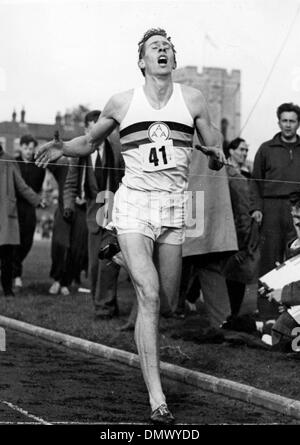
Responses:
[162,60]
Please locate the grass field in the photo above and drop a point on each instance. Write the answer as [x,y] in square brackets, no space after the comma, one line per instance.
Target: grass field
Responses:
[73,314]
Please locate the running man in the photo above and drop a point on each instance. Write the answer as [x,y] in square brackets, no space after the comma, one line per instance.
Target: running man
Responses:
[156,124]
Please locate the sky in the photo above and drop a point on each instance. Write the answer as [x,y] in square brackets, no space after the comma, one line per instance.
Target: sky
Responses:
[55,55]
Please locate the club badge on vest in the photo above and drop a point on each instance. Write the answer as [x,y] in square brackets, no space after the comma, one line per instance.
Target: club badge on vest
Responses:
[158,154]
[158,131]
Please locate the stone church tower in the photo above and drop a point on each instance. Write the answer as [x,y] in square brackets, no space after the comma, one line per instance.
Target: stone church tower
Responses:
[222,92]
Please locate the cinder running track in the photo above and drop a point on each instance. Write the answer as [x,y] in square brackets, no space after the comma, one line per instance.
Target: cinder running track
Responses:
[44,383]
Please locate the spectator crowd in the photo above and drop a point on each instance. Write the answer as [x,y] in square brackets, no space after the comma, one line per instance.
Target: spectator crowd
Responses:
[249,220]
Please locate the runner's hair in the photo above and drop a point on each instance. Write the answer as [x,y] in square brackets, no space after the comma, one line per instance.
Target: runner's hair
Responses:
[150,33]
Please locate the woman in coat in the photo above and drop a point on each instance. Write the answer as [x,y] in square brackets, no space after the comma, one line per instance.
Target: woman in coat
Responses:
[242,267]
[210,238]
[12,186]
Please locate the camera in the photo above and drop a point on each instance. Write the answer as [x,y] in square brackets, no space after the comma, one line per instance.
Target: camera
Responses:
[263,289]
[109,245]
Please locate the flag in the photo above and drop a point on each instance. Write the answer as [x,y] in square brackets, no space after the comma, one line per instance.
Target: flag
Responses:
[210,41]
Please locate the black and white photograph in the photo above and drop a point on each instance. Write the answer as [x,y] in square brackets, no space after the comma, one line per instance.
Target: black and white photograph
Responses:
[149,216]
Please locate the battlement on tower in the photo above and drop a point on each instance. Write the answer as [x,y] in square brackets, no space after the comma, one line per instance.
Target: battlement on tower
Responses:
[222,91]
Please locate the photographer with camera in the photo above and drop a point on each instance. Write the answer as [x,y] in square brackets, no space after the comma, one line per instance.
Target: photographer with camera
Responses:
[289,295]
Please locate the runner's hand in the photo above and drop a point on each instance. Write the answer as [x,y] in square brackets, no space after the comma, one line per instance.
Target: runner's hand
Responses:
[49,152]
[215,152]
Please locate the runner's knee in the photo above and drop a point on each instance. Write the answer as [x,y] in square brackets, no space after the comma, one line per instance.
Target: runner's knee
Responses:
[148,297]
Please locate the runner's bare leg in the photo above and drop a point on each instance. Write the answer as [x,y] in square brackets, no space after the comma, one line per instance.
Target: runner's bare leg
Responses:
[168,262]
[137,250]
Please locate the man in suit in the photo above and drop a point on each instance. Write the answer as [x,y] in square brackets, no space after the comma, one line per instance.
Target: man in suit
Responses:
[69,239]
[96,178]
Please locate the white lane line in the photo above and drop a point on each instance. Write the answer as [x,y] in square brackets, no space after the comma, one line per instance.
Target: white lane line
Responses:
[101,423]
[25,413]
[18,423]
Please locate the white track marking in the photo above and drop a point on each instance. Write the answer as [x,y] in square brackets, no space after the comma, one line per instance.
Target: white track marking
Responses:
[25,413]
[98,423]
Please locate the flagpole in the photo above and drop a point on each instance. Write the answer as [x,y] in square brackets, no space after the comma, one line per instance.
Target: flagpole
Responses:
[203,50]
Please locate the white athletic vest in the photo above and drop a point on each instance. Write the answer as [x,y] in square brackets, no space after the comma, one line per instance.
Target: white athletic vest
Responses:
[157,144]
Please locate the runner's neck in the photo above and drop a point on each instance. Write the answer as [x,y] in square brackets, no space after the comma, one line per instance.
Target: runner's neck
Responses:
[158,91]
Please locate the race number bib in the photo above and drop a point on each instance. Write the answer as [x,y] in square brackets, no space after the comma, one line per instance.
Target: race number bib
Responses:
[158,156]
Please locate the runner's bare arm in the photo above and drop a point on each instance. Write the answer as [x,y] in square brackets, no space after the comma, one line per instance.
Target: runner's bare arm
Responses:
[209,136]
[83,145]
[109,119]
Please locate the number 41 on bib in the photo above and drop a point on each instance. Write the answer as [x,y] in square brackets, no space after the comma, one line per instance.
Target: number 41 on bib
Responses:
[158,156]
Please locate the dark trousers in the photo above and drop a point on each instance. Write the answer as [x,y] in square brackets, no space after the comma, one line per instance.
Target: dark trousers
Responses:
[103,276]
[6,258]
[277,230]
[69,248]
[236,292]
[207,268]
[27,223]
[62,267]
